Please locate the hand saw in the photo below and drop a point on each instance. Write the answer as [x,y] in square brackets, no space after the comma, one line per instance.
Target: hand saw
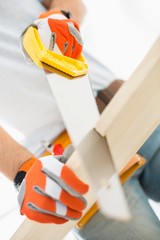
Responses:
[71,88]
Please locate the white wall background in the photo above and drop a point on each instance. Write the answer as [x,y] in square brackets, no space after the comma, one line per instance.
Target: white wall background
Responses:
[120,32]
[117,32]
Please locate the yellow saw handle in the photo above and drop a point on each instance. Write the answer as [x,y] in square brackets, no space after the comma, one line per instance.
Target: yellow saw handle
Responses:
[32,46]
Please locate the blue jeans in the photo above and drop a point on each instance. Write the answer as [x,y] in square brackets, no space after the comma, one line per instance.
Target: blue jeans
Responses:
[144,224]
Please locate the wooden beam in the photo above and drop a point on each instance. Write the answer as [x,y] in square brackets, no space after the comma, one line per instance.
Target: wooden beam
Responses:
[134,112]
[128,120]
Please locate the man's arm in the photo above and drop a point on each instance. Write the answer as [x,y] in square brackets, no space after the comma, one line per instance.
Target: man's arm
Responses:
[49,191]
[75,7]
[12,155]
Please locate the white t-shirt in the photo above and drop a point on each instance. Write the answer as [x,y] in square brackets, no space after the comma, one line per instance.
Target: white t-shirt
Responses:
[27,106]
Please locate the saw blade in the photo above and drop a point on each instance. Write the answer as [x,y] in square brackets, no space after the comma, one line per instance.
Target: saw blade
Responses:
[76,103]
[79,112]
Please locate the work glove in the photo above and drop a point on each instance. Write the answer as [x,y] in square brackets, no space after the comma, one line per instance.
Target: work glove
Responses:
[59,33]
[49,191]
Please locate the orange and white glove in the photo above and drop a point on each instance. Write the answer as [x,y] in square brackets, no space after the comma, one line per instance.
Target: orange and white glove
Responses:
[50,192]
[60,34]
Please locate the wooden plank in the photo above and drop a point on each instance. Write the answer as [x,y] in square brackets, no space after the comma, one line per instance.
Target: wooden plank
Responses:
[134,112]
[127,122]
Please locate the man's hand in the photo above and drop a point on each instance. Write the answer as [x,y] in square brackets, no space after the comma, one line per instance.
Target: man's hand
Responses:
[59,34]
[50,192]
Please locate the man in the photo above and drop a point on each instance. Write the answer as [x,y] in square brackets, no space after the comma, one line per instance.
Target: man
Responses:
[35,114]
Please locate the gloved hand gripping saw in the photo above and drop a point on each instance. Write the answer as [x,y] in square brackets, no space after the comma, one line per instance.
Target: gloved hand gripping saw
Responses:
[51,54]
